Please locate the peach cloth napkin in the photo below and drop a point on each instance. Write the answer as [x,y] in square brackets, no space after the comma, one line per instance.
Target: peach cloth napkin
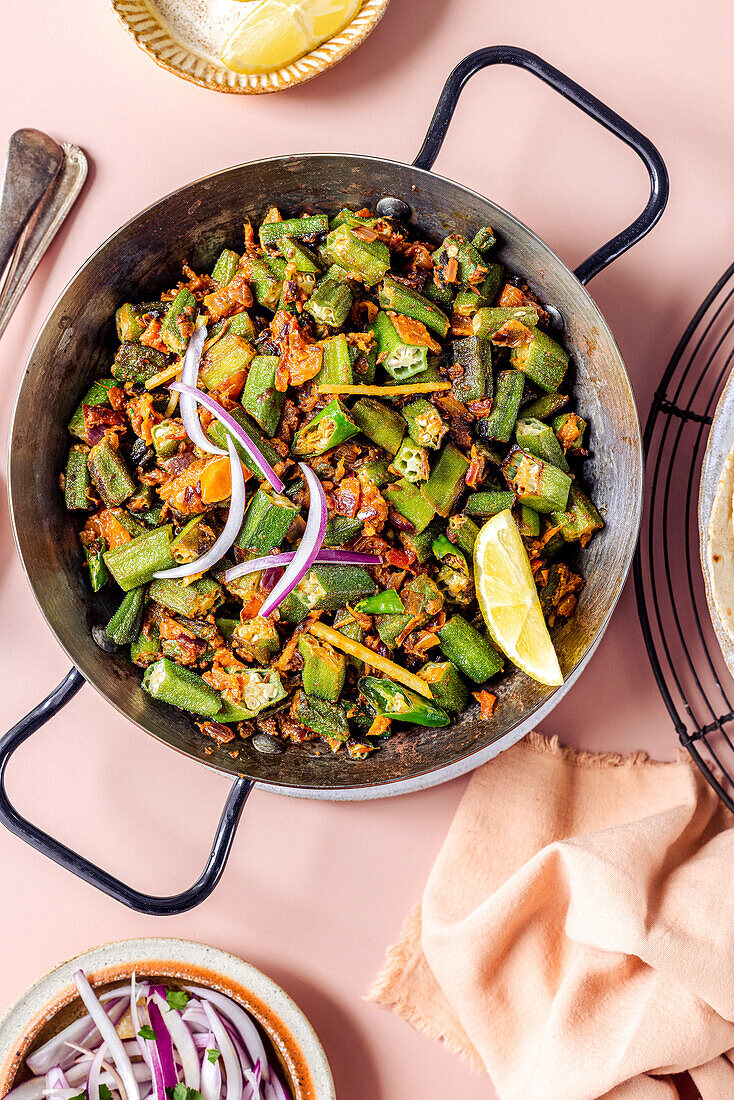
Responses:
[576,934]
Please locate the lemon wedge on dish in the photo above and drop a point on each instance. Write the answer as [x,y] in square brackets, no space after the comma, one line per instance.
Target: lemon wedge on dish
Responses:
[276,32]
[509,600]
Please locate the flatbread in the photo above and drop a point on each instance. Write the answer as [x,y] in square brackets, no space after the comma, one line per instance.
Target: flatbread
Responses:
[720,548]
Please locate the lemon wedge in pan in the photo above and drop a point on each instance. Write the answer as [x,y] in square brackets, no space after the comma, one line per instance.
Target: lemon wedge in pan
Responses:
[274,33]
[509,600]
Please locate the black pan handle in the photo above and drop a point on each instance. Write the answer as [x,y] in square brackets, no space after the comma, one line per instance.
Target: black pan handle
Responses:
[83,868]
[569,89]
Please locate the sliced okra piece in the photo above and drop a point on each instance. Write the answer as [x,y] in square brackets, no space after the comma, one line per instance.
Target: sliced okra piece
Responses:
[381,424]
[489,502]
[455,578]
[330,302]
[180,687]
[194,600]
[137,363]
[326,588]
[503,414]
[324,668]
[226,267]
[227,357]
[266,287]
[474,355]
[489,320]
[447,687]
[267,520]
[391,625]
[469,650]
[411,462]
[443,294]
[538,484]
[420,544]
[348,217]
[330,427]
[401,359]
[260,398]
[472,267]
[97,394]
[256,638]
[570,429]
[152,517]
[493,281]
[422,596]
[446,482]
[226,626]
[321,716]
[542,359]
[341,529]
[144,649]
[545,406]
[409,502]
[178,323]
[392,700]
[129,322]
[294,252]
[399,298]
[463,532]
[425,424]
[540,439]
[467,302]
[368,261]
[528,522]
[193,540]
[579,520]
[375,472]
[484,239]
[98,575]
[219,435]
[259,688]
[336,365]
[77,482]
[166,437]
[300,228]
[108,470]
[124,625]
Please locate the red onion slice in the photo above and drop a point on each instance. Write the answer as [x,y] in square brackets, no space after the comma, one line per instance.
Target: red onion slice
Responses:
[233,428]
[308,548]
[243,1025]
[232,1069]
[93,1081]
[211,1072]
[190,377]
[55,1052]
[107,1030]
[135,1017]
[161,1047]
[181,1037]
[327,555]
[228,535]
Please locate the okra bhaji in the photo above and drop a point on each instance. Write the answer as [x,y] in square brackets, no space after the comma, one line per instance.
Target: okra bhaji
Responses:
[286,471]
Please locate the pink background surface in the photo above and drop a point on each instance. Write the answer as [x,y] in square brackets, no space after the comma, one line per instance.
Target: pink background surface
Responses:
[315,892]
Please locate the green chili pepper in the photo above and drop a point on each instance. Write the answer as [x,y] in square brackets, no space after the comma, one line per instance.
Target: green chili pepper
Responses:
[323,717]
[542,360]
[124,625]
[98,575]
[395,701]
[579,520]
[193,600]
[469,650]
[136,363]
[260,398]
[401,359]
[330,427]
[324,669]
[411,462]
[570,430]
[170,683]
[399,298]
[501,420]
[381,603]
[409,502]
[446,482]
[545,406]
[77,482]
[447,687]
[336,368]
[97,394]
[474,355]
[540,439]
[383,425]
[365,260]
[302,228]
[225,267]
[538,484]
[108,470]
[489,502]
[463,531]
[425,425]
[330,302]
[326,588]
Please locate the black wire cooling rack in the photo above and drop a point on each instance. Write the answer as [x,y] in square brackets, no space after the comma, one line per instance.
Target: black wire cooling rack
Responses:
[695,684]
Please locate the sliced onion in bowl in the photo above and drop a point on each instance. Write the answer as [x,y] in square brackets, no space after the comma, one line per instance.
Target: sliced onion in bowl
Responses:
[109,1035]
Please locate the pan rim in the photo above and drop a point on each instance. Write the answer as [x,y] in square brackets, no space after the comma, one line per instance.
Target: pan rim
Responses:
[419,778]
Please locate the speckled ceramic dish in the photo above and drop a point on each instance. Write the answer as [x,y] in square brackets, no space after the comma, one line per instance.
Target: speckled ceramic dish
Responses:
[52,1002]
[186,37]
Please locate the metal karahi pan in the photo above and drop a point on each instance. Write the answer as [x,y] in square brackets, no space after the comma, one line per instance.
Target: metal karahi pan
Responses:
[195,222]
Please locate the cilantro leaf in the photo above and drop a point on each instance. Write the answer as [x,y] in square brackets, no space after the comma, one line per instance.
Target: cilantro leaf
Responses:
[146,1032]
[104,1093]
[213,1055]
[180,1092]
[176,998]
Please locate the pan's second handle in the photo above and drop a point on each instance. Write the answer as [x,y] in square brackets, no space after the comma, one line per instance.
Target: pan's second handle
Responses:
[83,868]
[569,89]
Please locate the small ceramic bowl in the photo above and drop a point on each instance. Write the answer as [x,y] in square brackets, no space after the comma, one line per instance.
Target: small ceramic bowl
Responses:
[186,36]
[52,1002]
